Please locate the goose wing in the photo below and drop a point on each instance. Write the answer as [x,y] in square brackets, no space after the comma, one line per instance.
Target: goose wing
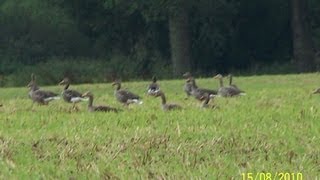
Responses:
[153,87]
[127,94]
[105,108]
[71,93]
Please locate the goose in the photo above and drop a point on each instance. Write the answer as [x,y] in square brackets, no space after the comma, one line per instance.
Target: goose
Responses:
[203,95]
[187,86]
[70,96]
[154,86]
[41,97]
[165,106]
[196,91]
[92,108]
[123,96]
[227,91]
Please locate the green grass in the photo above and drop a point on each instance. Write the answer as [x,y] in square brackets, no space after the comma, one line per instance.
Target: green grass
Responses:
[275,128]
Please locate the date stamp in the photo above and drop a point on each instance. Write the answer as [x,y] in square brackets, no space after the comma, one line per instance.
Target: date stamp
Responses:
[272,176]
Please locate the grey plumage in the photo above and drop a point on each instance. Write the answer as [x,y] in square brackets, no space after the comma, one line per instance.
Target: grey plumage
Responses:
[153,86]
[188,86]
[227,91]
[93,108]
[203,95]
[125,97]
[165,106]
[41,97]
[70,96]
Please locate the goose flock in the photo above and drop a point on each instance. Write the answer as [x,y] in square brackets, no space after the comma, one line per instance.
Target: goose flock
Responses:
[125,97]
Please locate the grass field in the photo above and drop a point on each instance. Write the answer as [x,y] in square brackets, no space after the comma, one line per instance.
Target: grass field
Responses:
[275,128]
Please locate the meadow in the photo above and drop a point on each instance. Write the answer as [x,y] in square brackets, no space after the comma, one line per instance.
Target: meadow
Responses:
[275,128]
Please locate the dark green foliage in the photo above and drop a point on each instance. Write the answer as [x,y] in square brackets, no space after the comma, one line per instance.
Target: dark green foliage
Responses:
[134,36]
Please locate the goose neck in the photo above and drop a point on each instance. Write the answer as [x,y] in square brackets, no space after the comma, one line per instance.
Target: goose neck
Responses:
[221,82]
[66,86]
[90,102]
[163,99]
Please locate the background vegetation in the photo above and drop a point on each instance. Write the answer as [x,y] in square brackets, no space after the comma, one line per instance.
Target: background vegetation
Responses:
[136,39]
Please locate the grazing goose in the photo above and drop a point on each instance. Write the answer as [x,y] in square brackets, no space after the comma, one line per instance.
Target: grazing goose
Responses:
[125,97]
[227,91]
[92,108]
[165,106]
[70,96]
[188,86]
[154,86]
[40,96]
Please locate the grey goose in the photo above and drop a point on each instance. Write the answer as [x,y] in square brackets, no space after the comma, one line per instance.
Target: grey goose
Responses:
[124,96]
[227,91]
[153,86]
[93,108]
[187,86]
[70,96]
[39,96]
[164,104]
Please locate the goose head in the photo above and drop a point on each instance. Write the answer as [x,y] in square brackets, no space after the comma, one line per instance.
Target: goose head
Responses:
[218,76]
[87,94]
[65,81]
[154,79]
[317,91]
[116,83]
[187,75]
[32,84]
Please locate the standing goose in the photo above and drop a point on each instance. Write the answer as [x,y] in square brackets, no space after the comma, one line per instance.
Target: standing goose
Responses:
[92,108]
[188,86]
[154,86]
[40,96]
[165,106]
[226,91]
[70,96]
[203,95]
[125,97]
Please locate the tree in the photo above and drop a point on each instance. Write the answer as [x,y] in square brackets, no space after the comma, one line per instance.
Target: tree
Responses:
[180,40]
[303,52]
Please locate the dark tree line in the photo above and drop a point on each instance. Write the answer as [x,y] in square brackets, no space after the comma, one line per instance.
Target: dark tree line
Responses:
[166,37]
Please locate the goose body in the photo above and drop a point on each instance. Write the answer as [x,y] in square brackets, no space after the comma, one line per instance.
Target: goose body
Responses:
[153,87]
[229,91]
[70,96]
[93,108]
[125,97]
[188,86]
[203,95]
[199,93]
[41,97]
[164,104]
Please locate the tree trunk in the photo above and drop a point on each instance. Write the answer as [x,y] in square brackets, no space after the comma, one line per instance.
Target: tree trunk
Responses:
[303,53]
[180,42]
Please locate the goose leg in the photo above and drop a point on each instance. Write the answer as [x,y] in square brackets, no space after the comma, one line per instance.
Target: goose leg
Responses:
[74,107]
